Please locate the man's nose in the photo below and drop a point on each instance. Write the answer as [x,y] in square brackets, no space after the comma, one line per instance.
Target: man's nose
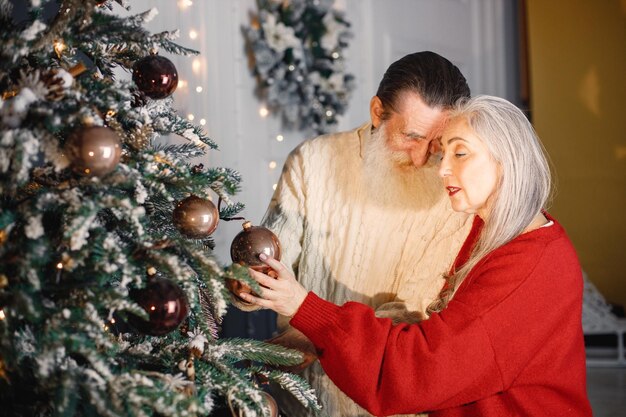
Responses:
[435,147]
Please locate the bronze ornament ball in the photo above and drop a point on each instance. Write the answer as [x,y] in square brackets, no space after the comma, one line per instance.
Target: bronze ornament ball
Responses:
[155,76]
[250,243]
[271,404]
[166,305]
[94,150]
[196,217]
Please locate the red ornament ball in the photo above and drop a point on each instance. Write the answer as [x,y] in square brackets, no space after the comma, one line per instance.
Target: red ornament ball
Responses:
[93,151]
[196,217]
[155,76]
[166,305]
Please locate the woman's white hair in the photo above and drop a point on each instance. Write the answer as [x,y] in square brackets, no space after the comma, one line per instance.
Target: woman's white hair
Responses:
[524,187]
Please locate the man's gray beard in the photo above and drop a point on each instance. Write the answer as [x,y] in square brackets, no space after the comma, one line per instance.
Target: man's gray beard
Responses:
[391,178]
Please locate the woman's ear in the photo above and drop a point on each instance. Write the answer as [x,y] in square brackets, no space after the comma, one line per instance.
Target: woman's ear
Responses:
[376,111]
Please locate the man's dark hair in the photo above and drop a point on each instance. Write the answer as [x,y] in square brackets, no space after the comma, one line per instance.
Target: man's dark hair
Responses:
[438,81]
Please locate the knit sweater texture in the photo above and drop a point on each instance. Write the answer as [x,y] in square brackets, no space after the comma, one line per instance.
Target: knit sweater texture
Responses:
[346,244]
[509,343]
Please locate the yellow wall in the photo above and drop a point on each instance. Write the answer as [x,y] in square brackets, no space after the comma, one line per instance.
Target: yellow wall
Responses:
[577,53]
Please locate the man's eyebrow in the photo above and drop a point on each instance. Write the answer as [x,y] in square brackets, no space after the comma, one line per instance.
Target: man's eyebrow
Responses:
[414,135]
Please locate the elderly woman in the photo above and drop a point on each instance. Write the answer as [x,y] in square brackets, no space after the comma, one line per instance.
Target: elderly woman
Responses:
[504,336]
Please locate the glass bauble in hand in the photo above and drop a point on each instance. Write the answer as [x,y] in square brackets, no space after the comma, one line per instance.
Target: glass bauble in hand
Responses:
[155,76]
[245,250]
[94,150]
[250,243]
[196,217]
[166,305]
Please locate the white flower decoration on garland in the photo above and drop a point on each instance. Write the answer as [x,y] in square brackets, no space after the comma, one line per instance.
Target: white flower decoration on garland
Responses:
[296,48]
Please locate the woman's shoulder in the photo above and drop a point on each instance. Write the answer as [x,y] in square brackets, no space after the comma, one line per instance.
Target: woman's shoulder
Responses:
[534,259]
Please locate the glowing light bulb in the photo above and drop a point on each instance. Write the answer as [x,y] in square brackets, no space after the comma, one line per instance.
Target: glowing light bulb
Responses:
[263,111]
[198,89]
[280,138]
[182,83]
[59,47]
[191,116]
[183,4]
[272,164]
[2,316]
[274,187]
[196,65]
[202,122]
[193,34]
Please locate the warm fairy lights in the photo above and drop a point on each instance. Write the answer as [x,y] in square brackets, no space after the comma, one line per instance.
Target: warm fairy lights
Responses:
[60,264]
[280,138]
[196,65]
[272,164]
[59,47]
[2,316]
[263,111]
[193,34]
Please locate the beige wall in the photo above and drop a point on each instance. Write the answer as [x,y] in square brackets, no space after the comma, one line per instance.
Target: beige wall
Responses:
[577,52]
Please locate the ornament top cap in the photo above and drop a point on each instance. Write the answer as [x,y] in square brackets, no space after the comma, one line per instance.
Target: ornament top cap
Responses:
[246,225]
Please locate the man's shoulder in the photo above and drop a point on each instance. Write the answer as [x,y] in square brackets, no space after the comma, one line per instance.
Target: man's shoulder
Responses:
[333,142]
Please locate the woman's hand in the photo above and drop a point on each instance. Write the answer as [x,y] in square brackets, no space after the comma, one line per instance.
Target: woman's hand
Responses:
[283,294]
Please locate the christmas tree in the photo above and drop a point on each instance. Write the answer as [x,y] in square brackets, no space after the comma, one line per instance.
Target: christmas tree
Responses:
[110,300]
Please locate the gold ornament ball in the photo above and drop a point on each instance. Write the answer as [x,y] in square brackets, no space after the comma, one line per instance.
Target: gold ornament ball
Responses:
[196,217]
[94,150]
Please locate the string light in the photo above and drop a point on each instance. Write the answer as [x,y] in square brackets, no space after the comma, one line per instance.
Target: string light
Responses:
[202,122]
[182,83]
[59,47]
[274,187]
[60,264]
[198,89]
[193,34]
[272,164]
[196,65]
[183,4]
[191,117]
[2,316]
[263,111]
[280,138]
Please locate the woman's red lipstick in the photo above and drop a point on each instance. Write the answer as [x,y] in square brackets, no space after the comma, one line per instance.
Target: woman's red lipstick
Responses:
[452,190]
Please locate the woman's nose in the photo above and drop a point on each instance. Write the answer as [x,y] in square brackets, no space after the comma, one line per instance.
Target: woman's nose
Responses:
[444,169]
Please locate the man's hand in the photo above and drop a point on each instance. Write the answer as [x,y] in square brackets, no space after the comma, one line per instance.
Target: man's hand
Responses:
[295,339]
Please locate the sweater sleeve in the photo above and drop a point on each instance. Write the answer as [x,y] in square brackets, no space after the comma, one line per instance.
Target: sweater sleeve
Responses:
[445,361]
[286,212]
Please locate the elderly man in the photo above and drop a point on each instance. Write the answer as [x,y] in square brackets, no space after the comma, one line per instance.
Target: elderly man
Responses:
[345,197]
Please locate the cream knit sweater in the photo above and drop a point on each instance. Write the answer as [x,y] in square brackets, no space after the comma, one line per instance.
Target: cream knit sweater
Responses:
[347,246]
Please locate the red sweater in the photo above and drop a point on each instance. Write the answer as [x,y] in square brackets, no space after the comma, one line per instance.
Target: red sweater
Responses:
[509,343]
